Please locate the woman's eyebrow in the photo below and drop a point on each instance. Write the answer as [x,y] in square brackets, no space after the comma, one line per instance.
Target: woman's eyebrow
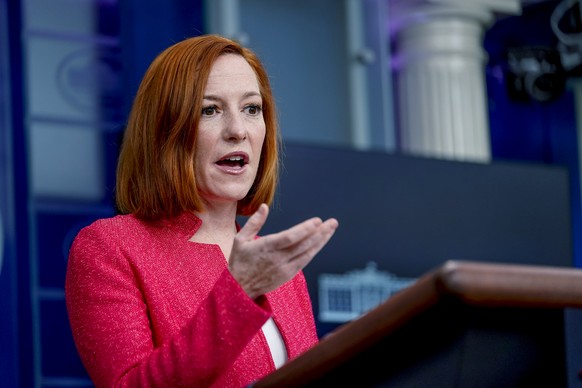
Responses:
[213,97]
[252,94]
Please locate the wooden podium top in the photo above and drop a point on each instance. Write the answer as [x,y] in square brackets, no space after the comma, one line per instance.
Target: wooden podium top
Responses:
[471,283]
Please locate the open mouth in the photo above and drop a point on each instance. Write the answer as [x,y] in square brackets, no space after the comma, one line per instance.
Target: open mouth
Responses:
[233,161]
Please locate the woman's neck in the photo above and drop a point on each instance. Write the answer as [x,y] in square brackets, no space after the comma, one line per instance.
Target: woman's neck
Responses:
[218,227]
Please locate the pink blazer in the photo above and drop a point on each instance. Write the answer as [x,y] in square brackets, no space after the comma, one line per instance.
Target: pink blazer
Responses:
[149,308]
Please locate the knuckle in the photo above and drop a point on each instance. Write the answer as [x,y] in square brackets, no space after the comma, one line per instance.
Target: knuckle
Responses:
[285,240]
[238,239]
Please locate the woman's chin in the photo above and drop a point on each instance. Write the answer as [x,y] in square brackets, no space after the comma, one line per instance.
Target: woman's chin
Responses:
[224,198]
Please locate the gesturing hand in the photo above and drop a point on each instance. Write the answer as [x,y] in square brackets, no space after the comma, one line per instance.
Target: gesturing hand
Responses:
[262,265]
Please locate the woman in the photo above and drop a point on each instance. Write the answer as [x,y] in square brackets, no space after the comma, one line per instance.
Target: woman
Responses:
[172,292]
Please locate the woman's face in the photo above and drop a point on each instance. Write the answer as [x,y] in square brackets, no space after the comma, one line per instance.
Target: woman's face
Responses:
[231,131]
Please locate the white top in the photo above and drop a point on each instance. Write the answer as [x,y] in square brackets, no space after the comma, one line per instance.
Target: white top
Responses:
[275,341]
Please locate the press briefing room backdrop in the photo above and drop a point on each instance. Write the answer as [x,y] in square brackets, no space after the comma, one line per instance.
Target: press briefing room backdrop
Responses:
[69,70]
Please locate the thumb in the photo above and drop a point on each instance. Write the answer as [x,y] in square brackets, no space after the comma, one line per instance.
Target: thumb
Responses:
[254,224]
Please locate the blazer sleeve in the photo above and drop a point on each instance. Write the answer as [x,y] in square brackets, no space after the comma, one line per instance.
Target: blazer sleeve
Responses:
[112,332]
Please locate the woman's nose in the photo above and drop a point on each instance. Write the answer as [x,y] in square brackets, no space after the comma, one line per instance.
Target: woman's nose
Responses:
[235,129]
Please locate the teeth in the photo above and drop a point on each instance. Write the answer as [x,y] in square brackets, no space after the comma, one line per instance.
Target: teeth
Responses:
[235,158]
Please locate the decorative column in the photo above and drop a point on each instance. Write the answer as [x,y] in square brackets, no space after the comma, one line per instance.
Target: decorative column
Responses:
[439,63]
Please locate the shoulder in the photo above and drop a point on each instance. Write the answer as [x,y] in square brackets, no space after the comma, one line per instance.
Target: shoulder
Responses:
[107,234]
[97,236]
[116,224]
[127,233]
[120,227]
[110,249]
[107,228]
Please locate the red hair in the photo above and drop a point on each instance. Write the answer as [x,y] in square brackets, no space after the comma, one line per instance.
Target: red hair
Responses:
[155,172]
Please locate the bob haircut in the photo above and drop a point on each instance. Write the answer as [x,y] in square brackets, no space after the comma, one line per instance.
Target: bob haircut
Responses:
[155,171]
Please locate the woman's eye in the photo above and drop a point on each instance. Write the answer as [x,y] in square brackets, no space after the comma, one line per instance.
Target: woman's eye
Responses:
[253,109]
[209,110]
